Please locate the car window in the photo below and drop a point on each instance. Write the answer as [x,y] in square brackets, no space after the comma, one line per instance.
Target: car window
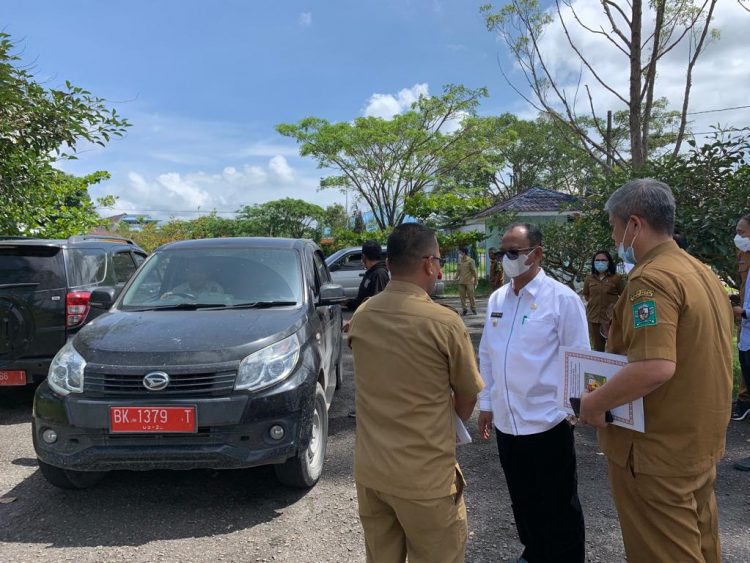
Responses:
[123,265]
[139,258]
[321,272]
[222,276]
[86,266]
[352,261]
[41,265]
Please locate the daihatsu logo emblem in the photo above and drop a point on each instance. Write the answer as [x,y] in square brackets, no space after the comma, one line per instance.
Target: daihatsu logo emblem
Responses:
[156,381]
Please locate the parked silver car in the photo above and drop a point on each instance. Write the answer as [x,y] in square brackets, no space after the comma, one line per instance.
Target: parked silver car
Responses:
[347,270]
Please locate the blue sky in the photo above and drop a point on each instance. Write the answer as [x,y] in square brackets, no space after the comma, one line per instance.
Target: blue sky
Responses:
[204,83]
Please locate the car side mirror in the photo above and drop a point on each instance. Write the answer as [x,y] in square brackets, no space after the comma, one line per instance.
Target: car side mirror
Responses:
[334,267]
[103,297]
[331,294]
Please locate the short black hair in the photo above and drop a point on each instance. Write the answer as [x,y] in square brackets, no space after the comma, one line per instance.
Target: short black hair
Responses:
[372,250]
[408,244]
[611,266]
[532,231]
[745,218]
[465,250]
[680,239]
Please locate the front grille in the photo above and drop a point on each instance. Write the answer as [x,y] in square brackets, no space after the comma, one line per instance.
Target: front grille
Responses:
[180,385]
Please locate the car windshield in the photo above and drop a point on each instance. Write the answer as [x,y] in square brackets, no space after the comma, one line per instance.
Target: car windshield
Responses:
[37,266]
[218,278]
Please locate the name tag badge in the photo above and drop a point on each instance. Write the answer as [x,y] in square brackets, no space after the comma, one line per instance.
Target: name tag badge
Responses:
[495,316]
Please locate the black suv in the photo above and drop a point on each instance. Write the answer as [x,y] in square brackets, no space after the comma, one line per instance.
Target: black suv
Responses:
[45,287]
[219,353]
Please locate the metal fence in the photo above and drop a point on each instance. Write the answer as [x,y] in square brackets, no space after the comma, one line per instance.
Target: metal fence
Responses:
[479,254]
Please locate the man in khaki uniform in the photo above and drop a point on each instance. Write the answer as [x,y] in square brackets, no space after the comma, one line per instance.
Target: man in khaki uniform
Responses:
[467,279]
[674,323]
[496,270]
[415,367]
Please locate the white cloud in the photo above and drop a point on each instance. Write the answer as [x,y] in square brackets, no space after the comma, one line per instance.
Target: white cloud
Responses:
[719,78]
[280,167]
[305,19]
[388,105]
[186,195]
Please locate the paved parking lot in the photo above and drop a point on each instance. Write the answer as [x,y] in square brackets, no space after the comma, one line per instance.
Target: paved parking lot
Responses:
[248,516]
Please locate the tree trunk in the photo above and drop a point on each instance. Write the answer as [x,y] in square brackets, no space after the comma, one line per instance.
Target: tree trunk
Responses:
[636,125]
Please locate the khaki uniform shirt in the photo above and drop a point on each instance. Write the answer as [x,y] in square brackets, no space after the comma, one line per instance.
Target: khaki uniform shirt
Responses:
[467,271]
[496,273]
[601,295]
[674,308]
[409,353]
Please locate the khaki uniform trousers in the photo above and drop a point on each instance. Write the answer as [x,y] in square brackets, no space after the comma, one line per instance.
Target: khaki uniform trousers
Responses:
[598,342]
[429,531]
[666,519]
[466,292]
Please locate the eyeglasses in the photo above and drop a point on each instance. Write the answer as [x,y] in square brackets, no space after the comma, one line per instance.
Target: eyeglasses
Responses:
[440,260]
[512,254]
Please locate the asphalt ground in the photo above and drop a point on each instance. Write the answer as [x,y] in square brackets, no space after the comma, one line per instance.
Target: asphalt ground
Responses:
[245,515]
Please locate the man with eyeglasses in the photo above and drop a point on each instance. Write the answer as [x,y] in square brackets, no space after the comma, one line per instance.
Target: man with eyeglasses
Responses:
[527,321]
[414,367]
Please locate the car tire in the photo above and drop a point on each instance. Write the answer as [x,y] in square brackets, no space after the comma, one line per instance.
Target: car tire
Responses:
[69,479]
[303,470]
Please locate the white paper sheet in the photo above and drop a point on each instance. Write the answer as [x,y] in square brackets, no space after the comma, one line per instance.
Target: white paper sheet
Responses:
[462,435]
[586,370]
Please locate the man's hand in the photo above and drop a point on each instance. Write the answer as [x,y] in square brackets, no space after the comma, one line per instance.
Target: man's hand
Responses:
[484,423]
[589,414]
[737,312]
[345,326]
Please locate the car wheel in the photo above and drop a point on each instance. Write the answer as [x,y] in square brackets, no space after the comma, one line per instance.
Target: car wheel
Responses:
[69,479]
[304,469]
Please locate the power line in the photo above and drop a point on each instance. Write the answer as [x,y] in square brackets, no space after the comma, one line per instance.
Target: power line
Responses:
[716,110]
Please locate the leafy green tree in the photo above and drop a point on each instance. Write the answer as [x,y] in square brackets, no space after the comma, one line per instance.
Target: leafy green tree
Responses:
[387,161]
[335,217]
[286,217]
[444,210]
[38,126]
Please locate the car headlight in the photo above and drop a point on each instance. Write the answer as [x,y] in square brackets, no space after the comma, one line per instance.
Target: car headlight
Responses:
[269,365]
[66,371]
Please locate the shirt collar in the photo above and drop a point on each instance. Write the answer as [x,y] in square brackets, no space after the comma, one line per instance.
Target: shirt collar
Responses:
[532,288]
[664,247]
[395,286]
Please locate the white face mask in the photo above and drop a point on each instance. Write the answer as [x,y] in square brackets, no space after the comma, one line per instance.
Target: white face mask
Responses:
[517,267]
[742,243]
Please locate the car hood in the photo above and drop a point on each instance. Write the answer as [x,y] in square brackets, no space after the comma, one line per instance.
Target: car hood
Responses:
[154,338]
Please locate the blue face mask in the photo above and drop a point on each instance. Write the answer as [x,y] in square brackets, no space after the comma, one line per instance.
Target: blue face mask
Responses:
[601,266]
[627,254]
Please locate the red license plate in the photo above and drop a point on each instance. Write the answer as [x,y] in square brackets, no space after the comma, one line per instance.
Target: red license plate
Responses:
[17,377]
[152,419]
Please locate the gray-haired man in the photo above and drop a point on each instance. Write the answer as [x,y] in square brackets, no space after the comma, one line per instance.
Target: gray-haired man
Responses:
[674,323]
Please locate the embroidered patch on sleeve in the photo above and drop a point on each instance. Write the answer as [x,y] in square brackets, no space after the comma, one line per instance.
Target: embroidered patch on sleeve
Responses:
[644,314]
[640,294]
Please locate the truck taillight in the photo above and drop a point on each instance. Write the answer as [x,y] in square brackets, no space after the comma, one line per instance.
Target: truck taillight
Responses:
[76,308]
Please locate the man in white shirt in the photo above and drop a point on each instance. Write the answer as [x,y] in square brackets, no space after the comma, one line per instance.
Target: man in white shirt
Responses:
[527,322]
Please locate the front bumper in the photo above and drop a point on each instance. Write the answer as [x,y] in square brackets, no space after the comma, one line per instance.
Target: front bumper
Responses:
[233,431]
[36,368]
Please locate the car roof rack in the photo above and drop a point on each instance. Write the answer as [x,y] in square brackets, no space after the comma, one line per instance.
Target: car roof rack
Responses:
[102,238]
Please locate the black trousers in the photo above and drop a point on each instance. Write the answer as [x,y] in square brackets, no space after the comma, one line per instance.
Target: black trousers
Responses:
[745,366]
[540,470]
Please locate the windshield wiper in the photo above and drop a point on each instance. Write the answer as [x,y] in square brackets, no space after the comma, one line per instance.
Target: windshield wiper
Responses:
[262,304]
[181,307]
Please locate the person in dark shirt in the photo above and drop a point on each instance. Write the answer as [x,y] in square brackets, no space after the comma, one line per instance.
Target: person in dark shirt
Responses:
[376,277]
[373,282]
